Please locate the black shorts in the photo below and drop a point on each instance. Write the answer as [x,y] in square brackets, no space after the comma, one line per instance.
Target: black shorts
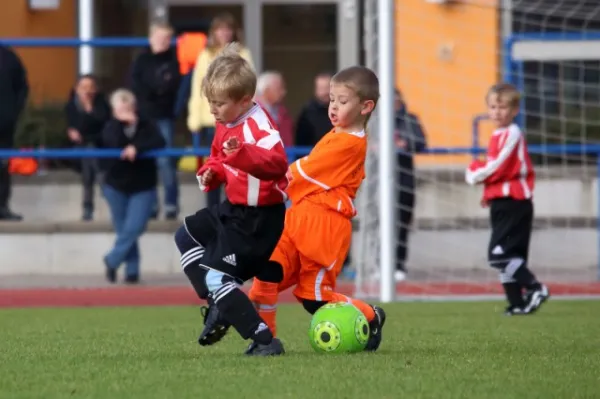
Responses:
[239,240]
[511,222]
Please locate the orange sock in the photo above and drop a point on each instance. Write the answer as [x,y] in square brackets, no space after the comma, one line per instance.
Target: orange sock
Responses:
[364,307]
[264,296]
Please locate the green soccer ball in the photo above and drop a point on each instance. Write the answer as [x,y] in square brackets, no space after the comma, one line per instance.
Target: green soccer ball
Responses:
[338,328]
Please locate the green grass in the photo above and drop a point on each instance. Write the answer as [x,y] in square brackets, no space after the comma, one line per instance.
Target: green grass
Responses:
[430,350]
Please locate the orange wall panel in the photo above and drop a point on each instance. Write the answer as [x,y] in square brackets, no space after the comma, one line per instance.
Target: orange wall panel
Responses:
[51,71]
[446,59]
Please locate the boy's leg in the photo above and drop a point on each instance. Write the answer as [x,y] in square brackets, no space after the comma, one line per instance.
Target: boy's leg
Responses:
[316,287]
[264,293]
[508,251]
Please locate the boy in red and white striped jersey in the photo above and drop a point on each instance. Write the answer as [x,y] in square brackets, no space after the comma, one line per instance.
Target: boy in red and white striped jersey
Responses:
[227,244]
[508,179]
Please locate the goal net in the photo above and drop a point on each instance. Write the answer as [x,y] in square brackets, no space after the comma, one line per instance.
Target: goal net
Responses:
[446,57]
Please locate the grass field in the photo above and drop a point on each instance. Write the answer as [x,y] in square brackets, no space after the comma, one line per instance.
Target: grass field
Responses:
[430,350]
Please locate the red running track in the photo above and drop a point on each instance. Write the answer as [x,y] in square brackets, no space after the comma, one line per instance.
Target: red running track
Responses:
[173,296]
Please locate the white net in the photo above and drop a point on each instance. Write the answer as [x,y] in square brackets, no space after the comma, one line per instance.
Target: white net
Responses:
[447,56]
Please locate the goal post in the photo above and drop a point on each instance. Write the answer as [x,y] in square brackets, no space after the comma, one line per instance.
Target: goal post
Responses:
[443,56]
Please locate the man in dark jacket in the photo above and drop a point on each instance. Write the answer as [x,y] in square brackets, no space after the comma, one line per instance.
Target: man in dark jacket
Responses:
[13,95]
[155,82]
[87,111]
[313,122]
[409,139]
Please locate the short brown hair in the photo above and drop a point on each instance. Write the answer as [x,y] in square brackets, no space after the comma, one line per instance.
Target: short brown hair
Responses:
[361,80]
[508,92]
[229,74]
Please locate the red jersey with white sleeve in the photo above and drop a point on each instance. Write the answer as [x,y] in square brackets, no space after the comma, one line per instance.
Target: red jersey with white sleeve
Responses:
[255,174]
[508,171]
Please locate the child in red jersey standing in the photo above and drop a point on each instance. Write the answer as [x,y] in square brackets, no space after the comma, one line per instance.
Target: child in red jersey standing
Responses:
[224,245]
[508,178]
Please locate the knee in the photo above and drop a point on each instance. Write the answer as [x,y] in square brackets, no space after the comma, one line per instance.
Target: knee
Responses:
[271,273]
[183,240]
[312,306]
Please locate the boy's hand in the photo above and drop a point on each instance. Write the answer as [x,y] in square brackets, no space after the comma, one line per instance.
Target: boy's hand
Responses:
[129,153]
[231,145]
[207,177]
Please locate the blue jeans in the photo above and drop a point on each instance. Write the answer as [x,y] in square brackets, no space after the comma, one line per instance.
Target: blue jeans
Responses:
[206,137]
[129,214]
[167,168]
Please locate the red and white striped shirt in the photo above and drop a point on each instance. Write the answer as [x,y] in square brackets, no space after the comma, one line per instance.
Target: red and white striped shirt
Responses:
[508,171]
[255,175]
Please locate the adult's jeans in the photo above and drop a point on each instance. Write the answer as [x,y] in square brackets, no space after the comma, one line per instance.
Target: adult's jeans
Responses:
[130,213]
[167,168]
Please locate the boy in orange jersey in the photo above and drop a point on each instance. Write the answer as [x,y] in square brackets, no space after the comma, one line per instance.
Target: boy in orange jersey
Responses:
[318,231]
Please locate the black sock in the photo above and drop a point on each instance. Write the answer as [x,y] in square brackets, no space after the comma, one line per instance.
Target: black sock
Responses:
[237,309]
[513,293]
[197,276]
[524,276]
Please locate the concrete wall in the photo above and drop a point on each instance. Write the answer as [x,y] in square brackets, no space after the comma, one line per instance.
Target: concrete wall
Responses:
[449,241]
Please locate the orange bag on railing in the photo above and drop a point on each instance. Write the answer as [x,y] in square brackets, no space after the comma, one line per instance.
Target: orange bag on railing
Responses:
[23,166]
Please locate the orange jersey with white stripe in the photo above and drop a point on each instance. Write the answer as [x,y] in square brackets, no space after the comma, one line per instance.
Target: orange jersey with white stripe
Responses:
[332,173]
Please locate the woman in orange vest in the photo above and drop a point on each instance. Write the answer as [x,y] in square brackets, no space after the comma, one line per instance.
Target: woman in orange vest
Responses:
[223,30]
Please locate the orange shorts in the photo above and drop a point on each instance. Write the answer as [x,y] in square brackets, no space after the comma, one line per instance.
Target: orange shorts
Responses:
[312,250]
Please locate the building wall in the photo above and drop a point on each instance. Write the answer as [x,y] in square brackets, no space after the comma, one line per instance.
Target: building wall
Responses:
[447,57]
[50,70]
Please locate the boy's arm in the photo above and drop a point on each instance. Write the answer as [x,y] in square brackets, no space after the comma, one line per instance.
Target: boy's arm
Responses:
[215,164]
[265,160]
[339,159]
[487,172]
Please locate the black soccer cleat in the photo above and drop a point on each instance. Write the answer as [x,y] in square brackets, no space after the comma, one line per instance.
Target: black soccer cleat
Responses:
[214,327]
[275,348]
[514,310]
[375,327]
[535,298]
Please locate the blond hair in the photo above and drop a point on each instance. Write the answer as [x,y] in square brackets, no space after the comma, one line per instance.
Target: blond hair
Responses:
[229,75]
[122,96]
[159,25]
[507,92]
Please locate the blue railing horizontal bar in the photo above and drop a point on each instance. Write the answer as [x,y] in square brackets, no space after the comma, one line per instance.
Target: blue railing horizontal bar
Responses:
[293,152]
[75,42]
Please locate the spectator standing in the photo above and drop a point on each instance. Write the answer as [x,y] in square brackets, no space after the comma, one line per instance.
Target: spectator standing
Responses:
[129,182]
[270,93]
[409,139]
[155,83]
[313,121]
[14,90]
[87,111]
[223,30]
